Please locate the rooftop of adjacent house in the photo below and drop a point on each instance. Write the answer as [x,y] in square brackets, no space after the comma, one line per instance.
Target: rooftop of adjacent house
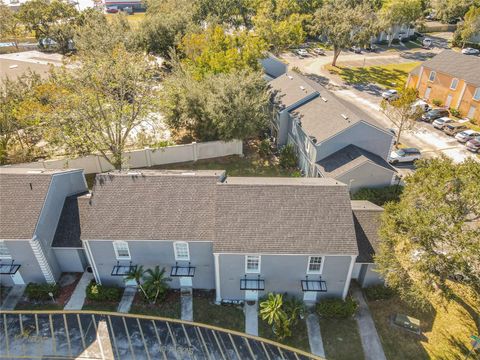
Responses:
[456,64]
[327,115]
[348,158]
[290,88]
[366,217]
[265,215]
[22,195]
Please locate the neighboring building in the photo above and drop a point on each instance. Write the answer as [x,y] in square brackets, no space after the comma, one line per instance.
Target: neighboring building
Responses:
[452,78]
[243,237]
[332,138]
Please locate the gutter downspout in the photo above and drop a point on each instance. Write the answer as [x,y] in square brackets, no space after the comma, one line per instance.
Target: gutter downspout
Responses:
[88,251]
[349,277]
[218,297]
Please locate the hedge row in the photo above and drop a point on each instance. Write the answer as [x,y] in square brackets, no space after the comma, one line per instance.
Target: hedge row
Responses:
[40,292]
[98,292]
[337,308]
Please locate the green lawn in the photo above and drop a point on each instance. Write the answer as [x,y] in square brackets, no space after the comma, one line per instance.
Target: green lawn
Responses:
[386,76]
[169,308]
[341,339]
[206,312]
[133,19]
[298,340]
[446,328]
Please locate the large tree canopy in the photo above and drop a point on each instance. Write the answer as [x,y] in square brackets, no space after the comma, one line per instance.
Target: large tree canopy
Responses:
[432,235]
[395,13]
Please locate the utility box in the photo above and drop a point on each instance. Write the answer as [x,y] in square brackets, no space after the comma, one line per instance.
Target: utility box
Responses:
[407,322]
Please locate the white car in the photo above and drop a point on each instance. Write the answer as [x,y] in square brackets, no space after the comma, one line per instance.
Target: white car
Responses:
[302,52]
[404,155]
[427,42]
[441,122]
[466,135]
[470,51]
[420,104]
[390,95]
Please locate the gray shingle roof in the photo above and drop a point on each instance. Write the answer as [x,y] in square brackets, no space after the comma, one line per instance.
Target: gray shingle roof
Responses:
[348,158]
[367,223]
[289,89]
[68,232]
[267,215]
[22,195]
[456,64]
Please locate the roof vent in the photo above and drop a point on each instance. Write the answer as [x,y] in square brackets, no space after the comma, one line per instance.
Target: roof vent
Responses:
[302,87]
[323,98]
[290,77]
[345,116]
[134,173]
[188,173]
[34,171]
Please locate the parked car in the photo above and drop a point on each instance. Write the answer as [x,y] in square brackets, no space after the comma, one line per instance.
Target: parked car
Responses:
[302,52]
[434,114]
[420,107]
[454,128]
[404,155]
[318,51]
[390,95]
[466,135]
[427,42]
[112,10]
[356,49]
[474,144]
[441,122]
[470,51]
[371,48]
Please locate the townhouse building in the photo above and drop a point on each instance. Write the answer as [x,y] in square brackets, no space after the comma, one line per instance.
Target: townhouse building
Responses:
[243,237]
[451,78]
[332,138]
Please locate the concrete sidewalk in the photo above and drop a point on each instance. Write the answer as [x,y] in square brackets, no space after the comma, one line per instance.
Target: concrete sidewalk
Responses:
[371,344]
[78,296]
[251,318]
[127,299]
[315,336]
[13,297]
[186,299]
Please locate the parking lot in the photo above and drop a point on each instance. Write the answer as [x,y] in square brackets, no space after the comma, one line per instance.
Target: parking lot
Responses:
[70,335]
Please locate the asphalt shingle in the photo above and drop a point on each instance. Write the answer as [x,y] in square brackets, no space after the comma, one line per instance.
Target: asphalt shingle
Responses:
[367,223]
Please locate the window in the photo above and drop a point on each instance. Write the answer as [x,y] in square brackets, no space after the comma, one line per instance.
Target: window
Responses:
[314,265]
[476,96]
[252,264]
[454,84]
[181,251]
[4,252]
[121,250]
[432,76]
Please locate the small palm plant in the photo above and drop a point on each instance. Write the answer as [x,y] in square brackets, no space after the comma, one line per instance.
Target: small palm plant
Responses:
[137,275]
[271,311]
[156,283]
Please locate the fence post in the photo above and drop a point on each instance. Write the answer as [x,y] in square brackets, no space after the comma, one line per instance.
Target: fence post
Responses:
[148,156]
[195,151]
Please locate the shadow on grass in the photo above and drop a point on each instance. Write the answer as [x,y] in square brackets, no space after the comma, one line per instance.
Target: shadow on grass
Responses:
[375,74]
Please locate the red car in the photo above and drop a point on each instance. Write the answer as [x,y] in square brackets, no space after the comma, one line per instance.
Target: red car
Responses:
[112,10]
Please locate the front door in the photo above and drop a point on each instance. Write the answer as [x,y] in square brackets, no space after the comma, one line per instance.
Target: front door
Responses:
[427,93]
[448,101]
[471,112]
[17,278]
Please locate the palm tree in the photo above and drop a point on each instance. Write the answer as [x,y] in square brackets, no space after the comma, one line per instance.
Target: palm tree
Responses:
[137,275]
[155,282]
[271,309]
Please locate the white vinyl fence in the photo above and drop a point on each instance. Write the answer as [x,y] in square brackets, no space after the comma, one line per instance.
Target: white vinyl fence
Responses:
[146,157]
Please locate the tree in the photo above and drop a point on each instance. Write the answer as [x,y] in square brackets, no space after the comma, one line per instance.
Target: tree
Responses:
[401,111]
[155,282]
[98,103]
[10,25]
[446,10]
[213,51]
[280,24]
[431,236]
[271,311]
[470,26]
[227,12]
[344,23]
[217,107]
[53,20]
[395,13]
[137,275]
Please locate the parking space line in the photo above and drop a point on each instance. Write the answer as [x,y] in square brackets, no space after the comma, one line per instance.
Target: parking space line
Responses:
[21,323]
[128,338]
[249,348]
[6,333]
[234,346]
[218,343]
[81,332]
[265,350]
[281,353]
[68,335]
[203,341]
[52,331]
[99,341]
[36,324]
[158,339]
[296,356]
[113,336]
[143,339]
[22,332]
[171,334]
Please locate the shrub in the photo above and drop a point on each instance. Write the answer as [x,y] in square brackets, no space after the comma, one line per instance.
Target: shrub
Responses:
[39,292]
[98,292]
[379,196]
[288,157]
[337,308]
[379,292]
[455,112]
[265,148]
[437,102]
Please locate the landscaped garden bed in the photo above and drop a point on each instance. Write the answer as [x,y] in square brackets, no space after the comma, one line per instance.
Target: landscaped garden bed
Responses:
[169,307]
[102,298]
[36,296]
[4,290]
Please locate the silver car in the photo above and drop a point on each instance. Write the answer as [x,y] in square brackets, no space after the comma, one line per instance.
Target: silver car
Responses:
[466,135]
[441,122]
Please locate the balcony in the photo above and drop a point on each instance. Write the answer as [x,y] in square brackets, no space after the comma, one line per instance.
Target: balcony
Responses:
[123,270]
[314,285]
[182,271]
[8,268]
[252,283]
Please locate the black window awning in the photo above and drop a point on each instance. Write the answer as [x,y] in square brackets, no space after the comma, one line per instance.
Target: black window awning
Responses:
[182,270]
[122,269]
[252,283]
[314,285]
[8,268]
